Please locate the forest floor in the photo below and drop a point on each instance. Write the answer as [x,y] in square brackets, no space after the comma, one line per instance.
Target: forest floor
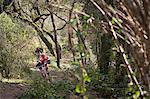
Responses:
[12,90]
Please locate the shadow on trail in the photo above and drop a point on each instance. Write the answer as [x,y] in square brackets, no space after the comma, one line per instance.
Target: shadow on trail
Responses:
[12,90]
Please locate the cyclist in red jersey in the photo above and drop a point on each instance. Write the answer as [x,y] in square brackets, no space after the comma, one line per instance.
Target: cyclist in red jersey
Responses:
[42,62]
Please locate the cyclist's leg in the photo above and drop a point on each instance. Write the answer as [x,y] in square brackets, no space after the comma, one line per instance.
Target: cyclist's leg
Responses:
[41,71]
[46,67]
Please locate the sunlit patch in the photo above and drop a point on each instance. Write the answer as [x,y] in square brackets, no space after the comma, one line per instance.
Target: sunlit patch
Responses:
[12,80]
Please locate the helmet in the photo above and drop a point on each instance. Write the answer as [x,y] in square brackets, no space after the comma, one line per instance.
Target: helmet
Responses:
[39,50]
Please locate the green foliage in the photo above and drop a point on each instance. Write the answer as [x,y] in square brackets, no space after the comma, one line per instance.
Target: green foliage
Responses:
[136,95]
[116,21]
[87,78]
[1,2]
[132,91]
[12,38]
[77,6]
[79,89]
[44,90]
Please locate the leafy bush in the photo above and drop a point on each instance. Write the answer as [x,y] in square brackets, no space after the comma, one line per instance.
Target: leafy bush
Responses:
[44,90]
[13,48]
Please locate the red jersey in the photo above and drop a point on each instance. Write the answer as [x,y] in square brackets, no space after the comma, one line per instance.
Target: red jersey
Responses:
[43,59]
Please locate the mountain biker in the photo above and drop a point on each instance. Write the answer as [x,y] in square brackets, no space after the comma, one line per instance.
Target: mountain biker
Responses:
[42,61]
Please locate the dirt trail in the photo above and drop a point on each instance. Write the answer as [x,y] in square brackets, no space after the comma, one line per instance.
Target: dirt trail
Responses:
[12,91]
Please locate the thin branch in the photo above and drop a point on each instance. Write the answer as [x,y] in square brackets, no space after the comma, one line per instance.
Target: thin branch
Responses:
[69,8]
[58,49]
[70,32]
[120,47]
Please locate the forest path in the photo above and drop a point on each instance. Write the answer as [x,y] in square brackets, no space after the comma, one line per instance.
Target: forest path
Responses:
[12,90]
